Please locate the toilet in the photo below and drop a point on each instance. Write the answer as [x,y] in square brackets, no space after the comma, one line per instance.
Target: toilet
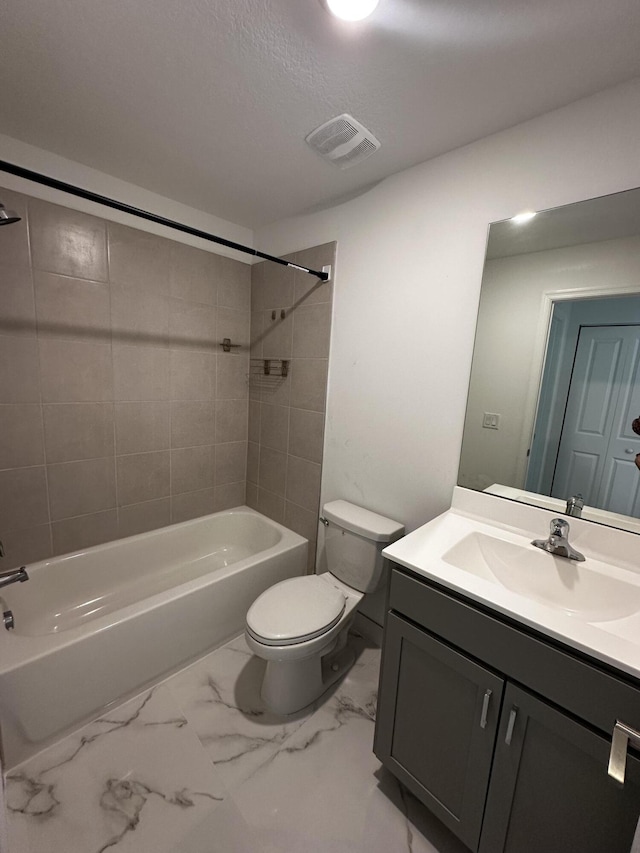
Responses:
[300,625]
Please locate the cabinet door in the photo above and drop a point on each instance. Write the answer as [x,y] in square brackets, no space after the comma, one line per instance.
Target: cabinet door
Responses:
[436,725]
[550,790]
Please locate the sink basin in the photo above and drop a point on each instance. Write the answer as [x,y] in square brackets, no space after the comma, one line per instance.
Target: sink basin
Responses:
[591,591]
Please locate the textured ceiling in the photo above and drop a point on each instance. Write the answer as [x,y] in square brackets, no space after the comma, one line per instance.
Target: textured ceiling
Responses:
[208,101]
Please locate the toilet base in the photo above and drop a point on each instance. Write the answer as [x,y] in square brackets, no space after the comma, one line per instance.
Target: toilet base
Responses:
[289,686]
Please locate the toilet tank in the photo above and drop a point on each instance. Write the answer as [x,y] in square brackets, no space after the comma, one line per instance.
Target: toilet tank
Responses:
[354,539]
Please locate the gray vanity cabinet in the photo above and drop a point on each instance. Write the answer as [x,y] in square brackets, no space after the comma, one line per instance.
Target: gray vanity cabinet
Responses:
[444,758]
[549,787]
[504,736]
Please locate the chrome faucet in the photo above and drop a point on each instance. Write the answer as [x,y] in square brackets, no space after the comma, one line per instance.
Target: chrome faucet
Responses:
[575,505]
[558,541]
[12,575]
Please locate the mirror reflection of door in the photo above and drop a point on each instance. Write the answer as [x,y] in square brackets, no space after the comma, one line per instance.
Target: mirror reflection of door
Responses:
[597,446]
[583,441]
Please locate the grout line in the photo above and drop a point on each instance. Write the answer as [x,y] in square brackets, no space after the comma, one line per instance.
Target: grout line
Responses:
[40,400]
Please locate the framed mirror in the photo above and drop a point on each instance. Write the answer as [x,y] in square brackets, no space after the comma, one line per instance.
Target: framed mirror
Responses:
[555,378]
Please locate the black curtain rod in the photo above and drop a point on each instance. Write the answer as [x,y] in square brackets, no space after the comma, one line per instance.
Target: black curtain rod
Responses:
[46,181]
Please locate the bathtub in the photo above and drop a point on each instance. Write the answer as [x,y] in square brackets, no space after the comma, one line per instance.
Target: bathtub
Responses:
[98,625]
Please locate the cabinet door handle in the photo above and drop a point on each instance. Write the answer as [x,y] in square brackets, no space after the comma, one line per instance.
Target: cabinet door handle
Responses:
[485,709]
[510,726]
[620,738]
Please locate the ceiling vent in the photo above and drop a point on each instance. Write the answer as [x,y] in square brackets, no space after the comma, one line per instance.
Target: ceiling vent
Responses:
[343,141]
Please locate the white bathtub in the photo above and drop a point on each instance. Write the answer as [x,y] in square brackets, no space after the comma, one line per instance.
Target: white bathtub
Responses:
[94,626]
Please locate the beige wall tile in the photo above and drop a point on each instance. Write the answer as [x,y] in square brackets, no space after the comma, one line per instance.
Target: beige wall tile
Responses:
[305,523]
[23,498]
[253,461]
[257,289]
[77,488]
[143,477]
[234,287]
[139,518]
[21,440]
[75,371]
[192,505]
[19,370]
[311,331]
[272,470]
[193,375]
[277,392]
[140,373]
[251,495]
[231,463]
[270,505]
[142,427]
[303,483]
[194,273]
[228,496]
[235,325]
[276,290]
[274,426]
[232,418]
[18,314]
[139,319]
[67,242]
[192,423]
[14,241]
[192,325]
[306,431]
[309,383]
[86,531]
[257,334]
[138,260]
[72,308]
[233,376]
[192,469]
[277,336]
[22,547]
[254,420]
[75,431]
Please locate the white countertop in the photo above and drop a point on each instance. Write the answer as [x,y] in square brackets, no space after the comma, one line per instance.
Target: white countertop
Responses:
[613,641]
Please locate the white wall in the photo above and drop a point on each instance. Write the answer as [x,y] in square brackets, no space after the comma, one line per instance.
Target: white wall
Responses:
[21,154]
[409,266]
[508,323]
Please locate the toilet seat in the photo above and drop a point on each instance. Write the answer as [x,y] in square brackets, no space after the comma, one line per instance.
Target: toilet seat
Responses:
[295,610]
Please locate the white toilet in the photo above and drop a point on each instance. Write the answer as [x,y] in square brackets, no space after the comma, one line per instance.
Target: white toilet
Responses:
[299,626]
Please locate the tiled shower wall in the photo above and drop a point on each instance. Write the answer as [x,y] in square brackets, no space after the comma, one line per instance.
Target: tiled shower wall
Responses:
[286,416]
[119,412]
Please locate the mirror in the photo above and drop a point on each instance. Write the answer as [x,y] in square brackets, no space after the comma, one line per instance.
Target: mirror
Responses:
[555,378]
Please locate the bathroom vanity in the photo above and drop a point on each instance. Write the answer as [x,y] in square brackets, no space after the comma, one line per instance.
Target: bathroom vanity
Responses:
[504,674]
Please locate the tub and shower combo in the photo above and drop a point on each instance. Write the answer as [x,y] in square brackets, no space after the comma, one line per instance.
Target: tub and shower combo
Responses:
[99,625]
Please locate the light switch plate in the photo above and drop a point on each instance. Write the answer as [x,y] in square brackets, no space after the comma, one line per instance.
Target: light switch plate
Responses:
[491,420]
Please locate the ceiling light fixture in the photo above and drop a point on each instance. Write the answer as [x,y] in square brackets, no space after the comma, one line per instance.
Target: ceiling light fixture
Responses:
[351,10]
[525,216]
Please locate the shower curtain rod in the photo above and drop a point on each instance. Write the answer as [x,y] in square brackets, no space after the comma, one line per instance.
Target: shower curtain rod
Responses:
[46,181]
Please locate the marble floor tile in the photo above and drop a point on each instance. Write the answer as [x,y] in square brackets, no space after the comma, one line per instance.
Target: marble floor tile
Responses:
[198,765]
[220,697]
[134,780]
[325,791]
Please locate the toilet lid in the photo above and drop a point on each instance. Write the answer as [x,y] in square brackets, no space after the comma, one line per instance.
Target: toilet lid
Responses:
[295,610]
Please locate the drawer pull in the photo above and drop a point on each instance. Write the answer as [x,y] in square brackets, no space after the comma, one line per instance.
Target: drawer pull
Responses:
[510,726]
[485,709]
[620,738]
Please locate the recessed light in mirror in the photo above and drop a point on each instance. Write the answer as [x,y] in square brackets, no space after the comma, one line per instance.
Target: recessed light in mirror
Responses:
[525,216]
[351,10]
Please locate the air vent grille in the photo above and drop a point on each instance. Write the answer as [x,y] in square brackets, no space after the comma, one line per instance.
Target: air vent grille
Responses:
[343,141]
